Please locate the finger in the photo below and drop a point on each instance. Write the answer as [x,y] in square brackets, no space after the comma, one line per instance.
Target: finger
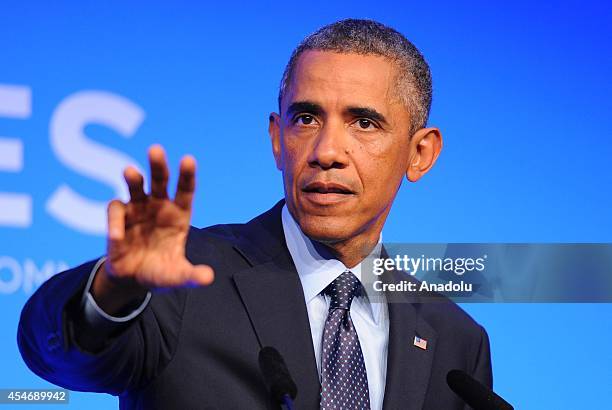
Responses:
[159,172]
[185,187]
[200,275]
[116,221]
[135,183]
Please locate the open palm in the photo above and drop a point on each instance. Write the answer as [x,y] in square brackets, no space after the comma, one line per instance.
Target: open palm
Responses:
[147,236]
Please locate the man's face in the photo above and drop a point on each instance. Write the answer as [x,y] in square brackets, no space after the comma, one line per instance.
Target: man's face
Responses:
[342,143]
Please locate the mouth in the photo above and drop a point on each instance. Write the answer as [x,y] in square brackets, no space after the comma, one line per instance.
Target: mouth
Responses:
[327,188]
[326,193]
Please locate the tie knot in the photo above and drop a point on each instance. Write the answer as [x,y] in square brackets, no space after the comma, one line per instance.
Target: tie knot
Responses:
[342,290]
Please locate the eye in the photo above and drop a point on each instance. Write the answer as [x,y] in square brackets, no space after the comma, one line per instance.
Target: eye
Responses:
[366,124]
[304,119]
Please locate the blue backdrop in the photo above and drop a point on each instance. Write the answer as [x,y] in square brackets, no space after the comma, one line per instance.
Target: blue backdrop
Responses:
[521,94]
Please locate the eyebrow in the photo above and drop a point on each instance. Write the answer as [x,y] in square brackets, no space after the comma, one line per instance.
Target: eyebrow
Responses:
[316,109]
[304,106]
[367,112]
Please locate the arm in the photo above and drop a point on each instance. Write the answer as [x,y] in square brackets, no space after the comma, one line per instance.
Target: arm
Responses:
[96,325]
[126,358]
[145,251]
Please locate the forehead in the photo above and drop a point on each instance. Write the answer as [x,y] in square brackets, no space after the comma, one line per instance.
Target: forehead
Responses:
[341,79]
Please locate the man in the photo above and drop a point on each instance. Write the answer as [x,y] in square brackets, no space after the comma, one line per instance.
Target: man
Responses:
[148,322]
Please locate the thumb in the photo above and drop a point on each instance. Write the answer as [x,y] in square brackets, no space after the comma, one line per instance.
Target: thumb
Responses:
[200,275]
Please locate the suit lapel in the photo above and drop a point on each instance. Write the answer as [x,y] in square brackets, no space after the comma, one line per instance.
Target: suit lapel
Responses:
[273,297]
[408,366]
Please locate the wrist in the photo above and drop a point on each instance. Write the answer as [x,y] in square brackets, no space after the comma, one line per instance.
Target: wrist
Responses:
[115,295]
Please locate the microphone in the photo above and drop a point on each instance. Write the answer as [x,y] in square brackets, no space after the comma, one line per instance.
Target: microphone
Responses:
[475,393]
[277,378]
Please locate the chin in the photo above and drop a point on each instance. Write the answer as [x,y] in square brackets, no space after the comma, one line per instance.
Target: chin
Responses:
[326,229]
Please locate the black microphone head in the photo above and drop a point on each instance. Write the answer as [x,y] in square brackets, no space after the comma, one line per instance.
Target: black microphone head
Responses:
[474,393]
[276,375]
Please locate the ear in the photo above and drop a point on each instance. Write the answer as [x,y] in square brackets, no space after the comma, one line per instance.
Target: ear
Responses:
[275,137]
[425,147]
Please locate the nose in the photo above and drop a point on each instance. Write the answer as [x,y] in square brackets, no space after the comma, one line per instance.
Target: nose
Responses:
[330,148]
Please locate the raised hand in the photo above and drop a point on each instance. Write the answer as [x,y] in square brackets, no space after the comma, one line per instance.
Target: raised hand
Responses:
[147,236]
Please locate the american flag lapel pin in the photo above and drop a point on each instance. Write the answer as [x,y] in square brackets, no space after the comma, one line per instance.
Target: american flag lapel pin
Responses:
[420,343]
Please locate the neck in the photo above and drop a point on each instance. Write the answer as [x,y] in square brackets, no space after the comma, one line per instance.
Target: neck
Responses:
[352,251]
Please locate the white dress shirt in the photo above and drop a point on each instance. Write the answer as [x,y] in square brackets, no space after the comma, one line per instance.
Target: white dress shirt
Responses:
[371,319]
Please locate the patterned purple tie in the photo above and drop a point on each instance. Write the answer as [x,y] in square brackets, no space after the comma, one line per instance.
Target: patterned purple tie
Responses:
[344,382]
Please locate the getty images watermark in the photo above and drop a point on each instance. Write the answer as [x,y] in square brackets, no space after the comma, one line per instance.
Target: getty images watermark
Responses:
[491,272]
[412,266]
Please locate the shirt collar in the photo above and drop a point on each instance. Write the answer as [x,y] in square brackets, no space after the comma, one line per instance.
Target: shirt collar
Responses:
[316,271]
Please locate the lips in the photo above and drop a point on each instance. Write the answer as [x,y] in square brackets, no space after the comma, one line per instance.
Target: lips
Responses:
[321,187]
[321,194]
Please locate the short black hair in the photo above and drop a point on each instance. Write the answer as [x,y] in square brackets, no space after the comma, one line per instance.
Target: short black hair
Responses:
[371,37]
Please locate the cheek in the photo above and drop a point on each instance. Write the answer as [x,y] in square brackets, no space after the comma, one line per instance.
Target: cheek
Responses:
[293,154]
[381,166]
[379,146]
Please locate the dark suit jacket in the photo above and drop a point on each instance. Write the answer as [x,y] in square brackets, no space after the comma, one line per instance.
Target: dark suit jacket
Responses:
[197,348]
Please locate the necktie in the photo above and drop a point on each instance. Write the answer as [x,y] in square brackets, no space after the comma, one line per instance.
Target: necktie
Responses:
[344,382]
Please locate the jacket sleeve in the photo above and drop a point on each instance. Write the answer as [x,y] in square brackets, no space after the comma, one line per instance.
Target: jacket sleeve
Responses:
[58,345]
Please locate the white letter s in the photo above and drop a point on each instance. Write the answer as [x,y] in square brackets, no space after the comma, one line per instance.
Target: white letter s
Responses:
[89,158]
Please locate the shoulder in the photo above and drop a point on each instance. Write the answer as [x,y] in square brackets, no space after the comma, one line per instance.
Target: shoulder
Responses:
[461,340]
[447,317]
[441,313]
[436,309]
[213,244]
[458,333]
[254,241]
